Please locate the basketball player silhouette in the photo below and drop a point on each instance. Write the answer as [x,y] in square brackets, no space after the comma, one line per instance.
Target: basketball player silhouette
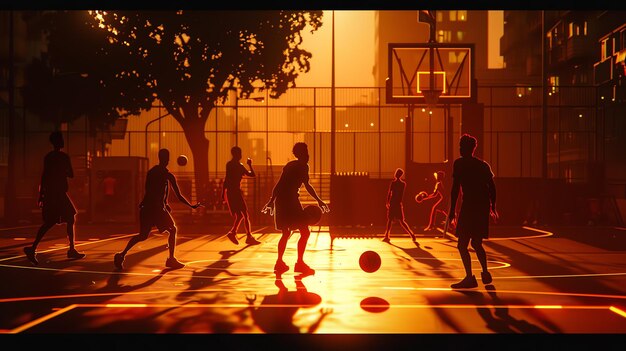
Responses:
[438,195]
[231,191]
[395,209]
[474,177]
[56,206]
[288,211]
[155,210]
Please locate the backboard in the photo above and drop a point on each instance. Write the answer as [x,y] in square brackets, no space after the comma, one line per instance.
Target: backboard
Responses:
[409,73]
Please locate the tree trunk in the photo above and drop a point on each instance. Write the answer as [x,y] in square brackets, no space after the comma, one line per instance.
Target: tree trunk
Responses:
[199,145]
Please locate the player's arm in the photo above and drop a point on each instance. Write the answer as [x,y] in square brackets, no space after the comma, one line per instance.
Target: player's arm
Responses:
[492,193]
[249,173]
[388,195]
[223,190]
[311,191]
[174,184]
[42,189]
[456,185]
[70,170]
[269,206]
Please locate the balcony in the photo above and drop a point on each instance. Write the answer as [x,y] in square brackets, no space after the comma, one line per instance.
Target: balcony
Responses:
[603,71]
[556,55]
[579,47]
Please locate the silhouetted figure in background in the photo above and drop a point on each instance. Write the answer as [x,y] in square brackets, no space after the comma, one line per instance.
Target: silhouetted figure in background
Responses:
[232,189]
[475,178]
[56,206]
[438,195]
[395,210]
[155,210]
[287,210]
[108,188]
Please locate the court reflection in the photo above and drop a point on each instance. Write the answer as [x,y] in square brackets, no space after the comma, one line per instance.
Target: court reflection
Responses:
[277,313]
[374,304]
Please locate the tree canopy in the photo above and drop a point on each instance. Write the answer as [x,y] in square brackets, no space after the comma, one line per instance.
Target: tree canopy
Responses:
[187,60]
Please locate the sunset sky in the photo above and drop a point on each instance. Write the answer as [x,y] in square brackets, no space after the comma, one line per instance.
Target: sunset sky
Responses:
[355,51]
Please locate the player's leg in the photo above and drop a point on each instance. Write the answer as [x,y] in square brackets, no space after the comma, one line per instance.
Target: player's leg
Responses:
[72,253]
[406,227]
[387,229]
[232,234]
[144,230]
[477,244]
[281,266]
[30,251]
[300,266]
[431,218]
[469,281]
[250,240]
[41,232]
[171,261]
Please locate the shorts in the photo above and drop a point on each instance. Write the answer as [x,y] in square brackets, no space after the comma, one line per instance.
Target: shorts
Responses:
[58,208]
[155,216]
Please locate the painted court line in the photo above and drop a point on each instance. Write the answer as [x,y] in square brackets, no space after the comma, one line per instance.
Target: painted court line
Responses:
[242,305]
[67,246]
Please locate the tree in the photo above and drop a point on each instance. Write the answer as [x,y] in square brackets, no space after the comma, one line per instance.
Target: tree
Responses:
[187,60]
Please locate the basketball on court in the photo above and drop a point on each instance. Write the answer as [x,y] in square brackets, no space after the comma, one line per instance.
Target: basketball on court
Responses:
[181,160]
[313,214]
[421,196]
[369,261]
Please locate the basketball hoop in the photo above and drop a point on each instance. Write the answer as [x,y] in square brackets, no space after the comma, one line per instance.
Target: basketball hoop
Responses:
[431,96]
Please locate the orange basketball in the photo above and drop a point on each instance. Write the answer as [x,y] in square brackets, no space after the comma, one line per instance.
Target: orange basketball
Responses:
[181,160]
[421,196]
[369,261]
[313,214]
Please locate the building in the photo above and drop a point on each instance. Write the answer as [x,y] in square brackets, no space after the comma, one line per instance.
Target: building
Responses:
[610,78]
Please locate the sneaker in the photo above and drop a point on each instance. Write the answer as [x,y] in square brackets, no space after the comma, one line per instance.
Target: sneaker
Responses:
[466,283]
[303,268]
[413,238]
[233,237]
[280,267]
[252,241]
[30,254]
[172,262]
[72,253]
[486,277]
[118,261]
[386,239]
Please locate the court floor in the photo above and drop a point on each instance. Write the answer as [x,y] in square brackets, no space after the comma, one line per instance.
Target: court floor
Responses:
[542,283]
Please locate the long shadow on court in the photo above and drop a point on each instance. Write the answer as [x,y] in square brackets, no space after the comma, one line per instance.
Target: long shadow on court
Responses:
[532,265]
[208,276]
[426,258]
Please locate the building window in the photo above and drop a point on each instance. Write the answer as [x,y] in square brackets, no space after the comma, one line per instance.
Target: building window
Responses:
[452,16]
[439,16]
[459,35]
[452,57]
[445,36]
[585,28]
[549,36]
[554,84]
[603,48]
[583,78]
[570,30]
[462,15]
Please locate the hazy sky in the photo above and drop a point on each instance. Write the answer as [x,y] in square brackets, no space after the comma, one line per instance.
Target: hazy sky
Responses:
[355,51]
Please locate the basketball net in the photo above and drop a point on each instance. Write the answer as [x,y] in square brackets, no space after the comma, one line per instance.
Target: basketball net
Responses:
[431,96]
